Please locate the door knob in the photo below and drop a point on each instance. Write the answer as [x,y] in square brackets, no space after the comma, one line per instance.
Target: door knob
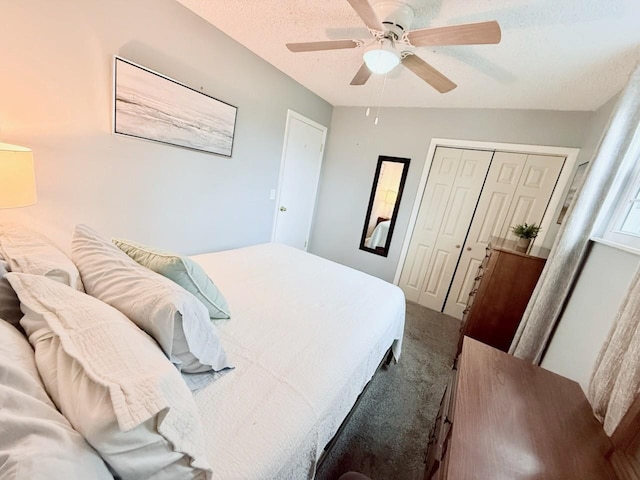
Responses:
[469,248]
[283,209]
[457,246]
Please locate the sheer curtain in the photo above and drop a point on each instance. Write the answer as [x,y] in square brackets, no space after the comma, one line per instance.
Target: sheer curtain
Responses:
[619,142]
[615,381]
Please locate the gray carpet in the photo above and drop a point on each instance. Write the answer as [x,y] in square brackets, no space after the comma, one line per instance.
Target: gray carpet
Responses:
[387,435]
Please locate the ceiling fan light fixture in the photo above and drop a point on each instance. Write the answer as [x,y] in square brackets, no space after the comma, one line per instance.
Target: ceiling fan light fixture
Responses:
[381,58]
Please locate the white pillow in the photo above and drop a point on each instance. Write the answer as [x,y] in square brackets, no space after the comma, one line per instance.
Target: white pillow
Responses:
[36,440]
[27,251]
[174,317]
[112,382]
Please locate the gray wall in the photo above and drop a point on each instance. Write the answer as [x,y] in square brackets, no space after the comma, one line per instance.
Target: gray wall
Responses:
[352,151]
[56,87]
[597,295]
[590,312]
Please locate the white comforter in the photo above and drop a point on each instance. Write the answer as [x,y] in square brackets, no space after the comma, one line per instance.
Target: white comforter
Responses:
[305,335]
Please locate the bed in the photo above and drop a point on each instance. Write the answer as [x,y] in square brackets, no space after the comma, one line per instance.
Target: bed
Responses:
[305,337]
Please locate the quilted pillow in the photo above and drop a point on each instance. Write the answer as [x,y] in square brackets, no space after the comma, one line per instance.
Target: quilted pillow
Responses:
[182,270]
[26,251]
[112,382]
[177,320]
[36,440]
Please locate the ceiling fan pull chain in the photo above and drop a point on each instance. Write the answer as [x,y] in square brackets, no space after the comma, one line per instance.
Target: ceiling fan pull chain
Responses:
[384,82]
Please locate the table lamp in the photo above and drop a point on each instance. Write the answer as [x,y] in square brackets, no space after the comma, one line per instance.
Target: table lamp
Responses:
[17,178]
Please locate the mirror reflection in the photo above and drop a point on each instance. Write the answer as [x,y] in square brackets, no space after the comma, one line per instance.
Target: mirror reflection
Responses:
[384,203]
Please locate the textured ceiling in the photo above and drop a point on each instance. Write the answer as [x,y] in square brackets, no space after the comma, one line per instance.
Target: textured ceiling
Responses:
[554,54]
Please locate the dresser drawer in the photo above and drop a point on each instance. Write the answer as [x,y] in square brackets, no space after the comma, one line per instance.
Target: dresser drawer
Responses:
[441,430]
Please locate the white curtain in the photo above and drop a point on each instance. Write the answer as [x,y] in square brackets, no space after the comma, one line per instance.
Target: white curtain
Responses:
[615,381]
[618,149]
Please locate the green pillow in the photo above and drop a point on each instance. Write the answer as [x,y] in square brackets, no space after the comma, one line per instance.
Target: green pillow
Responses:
[182,270]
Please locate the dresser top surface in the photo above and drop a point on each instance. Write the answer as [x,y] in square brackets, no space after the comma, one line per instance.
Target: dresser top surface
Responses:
[506,245]
[513,420]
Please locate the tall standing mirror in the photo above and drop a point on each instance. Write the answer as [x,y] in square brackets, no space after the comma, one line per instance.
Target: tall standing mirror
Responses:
[384,203]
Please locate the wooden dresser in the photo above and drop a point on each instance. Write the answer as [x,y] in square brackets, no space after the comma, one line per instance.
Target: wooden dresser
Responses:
[504,418]
[503,286]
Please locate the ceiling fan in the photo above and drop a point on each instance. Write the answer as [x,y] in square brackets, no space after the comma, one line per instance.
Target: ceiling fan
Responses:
[392,36]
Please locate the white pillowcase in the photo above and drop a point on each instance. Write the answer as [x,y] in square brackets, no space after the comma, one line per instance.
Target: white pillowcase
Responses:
[26,251]
[112,382]
[36,441]
[174,317]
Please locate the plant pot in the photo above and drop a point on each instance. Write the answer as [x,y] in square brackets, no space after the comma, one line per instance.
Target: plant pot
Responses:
[522,245]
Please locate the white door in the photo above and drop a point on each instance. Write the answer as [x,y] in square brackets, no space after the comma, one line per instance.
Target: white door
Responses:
[450,198]
[495,201]
[534,191]
[517,190]
[299,175]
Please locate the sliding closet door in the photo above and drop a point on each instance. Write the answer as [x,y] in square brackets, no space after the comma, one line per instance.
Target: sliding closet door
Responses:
[451,195]
[518,190]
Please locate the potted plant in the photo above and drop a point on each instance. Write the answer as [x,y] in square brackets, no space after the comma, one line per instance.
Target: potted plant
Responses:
[525,233]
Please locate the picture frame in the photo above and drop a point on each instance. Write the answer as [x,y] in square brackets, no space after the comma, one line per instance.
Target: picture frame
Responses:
[573,189]
[152,106]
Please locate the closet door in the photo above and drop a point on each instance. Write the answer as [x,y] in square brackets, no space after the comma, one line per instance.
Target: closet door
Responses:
[518,190]
[451,195]
[493,207]
[534,191]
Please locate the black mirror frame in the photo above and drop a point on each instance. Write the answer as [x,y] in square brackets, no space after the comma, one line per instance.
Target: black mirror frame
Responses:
[396,208]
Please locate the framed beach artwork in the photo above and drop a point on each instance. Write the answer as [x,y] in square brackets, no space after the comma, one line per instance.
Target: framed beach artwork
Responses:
[155,107]
[573,189]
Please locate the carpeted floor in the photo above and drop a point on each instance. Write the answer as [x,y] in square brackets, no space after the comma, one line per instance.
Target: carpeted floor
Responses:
[387,435]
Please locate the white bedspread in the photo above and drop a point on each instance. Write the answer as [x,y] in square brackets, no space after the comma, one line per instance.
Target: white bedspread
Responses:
[379,236]
[305,336]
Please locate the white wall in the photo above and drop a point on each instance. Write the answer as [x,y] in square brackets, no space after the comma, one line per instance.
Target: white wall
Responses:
[354,145]
[56,87]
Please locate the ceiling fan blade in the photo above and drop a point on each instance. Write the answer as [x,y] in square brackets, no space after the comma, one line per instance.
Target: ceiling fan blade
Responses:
[429,74]
[467,34]
[366,14]
[325,45]
[362,75]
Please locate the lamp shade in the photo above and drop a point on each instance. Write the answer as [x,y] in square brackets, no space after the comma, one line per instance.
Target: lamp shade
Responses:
[390,197]
[381,58]
[17,178]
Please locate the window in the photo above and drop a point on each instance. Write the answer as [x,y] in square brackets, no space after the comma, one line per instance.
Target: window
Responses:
[622,226]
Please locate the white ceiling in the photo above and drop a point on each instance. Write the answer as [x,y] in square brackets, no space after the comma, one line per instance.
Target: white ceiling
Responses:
[554,54]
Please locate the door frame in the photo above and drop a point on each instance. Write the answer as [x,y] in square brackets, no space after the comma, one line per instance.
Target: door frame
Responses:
[293,114]
[565,177]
